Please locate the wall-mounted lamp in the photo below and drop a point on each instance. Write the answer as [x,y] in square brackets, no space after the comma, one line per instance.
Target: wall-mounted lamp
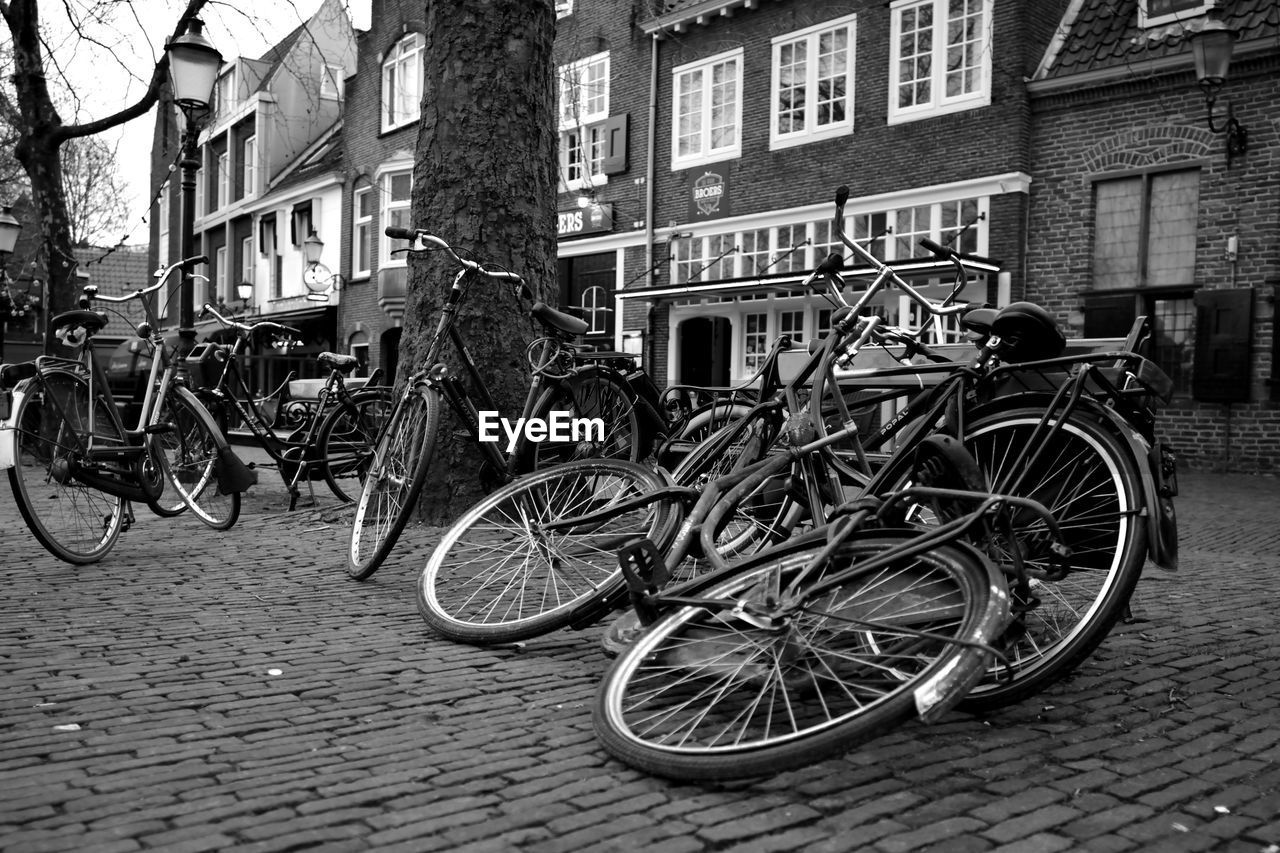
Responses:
[1212,47]
[319,280]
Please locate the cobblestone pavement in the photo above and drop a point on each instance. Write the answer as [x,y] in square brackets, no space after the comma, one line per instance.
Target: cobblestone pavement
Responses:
[201,691]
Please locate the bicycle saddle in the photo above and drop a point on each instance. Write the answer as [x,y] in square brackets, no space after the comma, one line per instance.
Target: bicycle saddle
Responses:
[553,319]
[91,320]
[334,361]
[979,321]
[1029,333]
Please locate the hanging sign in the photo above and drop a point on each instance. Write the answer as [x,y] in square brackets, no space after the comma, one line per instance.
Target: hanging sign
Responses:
[709,196]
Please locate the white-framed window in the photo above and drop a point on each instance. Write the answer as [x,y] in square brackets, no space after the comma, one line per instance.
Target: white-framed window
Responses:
[397,189]
[792,323]
[200,211]
[940,57]
[583,93]
[821,322]
[564,8]
[402,82]
[247,264]
[706,114]
[270,252]
[595,309]
[224,179]
[789,254]
[220,271]
[755,341]
[1157,13]
[812,84]
[332,82]
[225,101]
[362,232]
[358,346]
[249,166]
[753,252]
[910,224]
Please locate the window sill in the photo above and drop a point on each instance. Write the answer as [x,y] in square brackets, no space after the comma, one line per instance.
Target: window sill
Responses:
[392,128]
[695,162]
[777,143]
[922,114]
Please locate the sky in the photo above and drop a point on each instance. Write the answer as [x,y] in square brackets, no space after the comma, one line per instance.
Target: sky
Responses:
[113,73]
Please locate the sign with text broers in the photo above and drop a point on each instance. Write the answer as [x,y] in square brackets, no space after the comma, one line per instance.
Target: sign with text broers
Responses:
[709,195]
[585,220]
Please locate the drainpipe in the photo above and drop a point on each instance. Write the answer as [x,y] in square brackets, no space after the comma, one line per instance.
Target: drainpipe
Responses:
[650,153]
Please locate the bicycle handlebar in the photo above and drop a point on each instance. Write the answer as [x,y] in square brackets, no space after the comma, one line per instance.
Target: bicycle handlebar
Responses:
[249,328]
[430,242]
[91,290]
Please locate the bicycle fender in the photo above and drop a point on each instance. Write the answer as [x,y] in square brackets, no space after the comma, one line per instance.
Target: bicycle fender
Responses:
[9,430]
[1157,509]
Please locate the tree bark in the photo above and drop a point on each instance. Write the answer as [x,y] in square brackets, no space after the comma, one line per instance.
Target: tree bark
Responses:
[484,181]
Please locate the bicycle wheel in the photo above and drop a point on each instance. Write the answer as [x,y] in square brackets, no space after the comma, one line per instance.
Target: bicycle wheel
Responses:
[499,575]
[749,688]
[1089,481]
[345,439]
[768,514]
[590,393]
[189,455]
[394,481]
[75,523]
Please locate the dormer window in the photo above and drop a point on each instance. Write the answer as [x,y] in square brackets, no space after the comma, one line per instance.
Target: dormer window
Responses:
[225,99]
[1157,13]
[402,82]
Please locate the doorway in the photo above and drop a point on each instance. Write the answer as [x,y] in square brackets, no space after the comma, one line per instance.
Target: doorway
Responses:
[704,351]
[587,284]
[389,353]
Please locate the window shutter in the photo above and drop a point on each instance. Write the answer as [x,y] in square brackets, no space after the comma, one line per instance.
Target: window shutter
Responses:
[615,145]
[1108,315]
[1224,339]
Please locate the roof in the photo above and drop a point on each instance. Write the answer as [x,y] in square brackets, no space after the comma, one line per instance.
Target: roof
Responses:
[278,52]
[1099,36]
[324,156]
[115,272]
[676,15]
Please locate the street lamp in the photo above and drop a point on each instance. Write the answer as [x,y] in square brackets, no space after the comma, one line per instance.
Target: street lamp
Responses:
[10,228]
[1212,47]
[245,291]
[193,69]
[319,280]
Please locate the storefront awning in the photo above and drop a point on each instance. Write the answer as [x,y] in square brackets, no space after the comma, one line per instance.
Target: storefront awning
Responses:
[914,269]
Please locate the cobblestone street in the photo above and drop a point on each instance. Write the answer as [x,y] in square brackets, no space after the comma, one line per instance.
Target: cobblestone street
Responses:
[204,691]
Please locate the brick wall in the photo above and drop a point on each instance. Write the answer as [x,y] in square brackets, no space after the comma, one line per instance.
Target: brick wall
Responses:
[1148,123]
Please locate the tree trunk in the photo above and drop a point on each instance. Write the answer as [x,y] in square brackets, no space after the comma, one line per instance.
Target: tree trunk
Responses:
[484,181]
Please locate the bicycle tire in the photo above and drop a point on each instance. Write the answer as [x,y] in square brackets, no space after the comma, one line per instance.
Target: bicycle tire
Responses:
[768,514]
[189,453]
[345,440]
[75,522]
[706,694]
[394,481]
[588,392]
[497,576]
[1089,481]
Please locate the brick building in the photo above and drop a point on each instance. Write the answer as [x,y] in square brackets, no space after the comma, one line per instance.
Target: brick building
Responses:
[1137,208]
[743,119]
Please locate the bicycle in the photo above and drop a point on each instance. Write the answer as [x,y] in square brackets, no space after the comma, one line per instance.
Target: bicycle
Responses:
[1076,428]
[75,469]
[332,440]
[560,383]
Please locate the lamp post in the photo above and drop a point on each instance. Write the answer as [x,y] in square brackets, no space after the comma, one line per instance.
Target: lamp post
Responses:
[10,228]
[193,70]
[1211,47]
[319,280]
[245,291]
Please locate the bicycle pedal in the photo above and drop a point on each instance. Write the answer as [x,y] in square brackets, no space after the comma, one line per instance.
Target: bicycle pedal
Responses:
[642,566]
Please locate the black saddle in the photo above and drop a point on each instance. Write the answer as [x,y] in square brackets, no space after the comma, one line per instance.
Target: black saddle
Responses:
[558,320]
[91,320]
[344,364]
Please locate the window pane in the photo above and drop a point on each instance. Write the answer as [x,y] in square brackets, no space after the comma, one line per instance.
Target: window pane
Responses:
[1171,236]
[400,186]
[791,93]
[1118,221]
[1173,343]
